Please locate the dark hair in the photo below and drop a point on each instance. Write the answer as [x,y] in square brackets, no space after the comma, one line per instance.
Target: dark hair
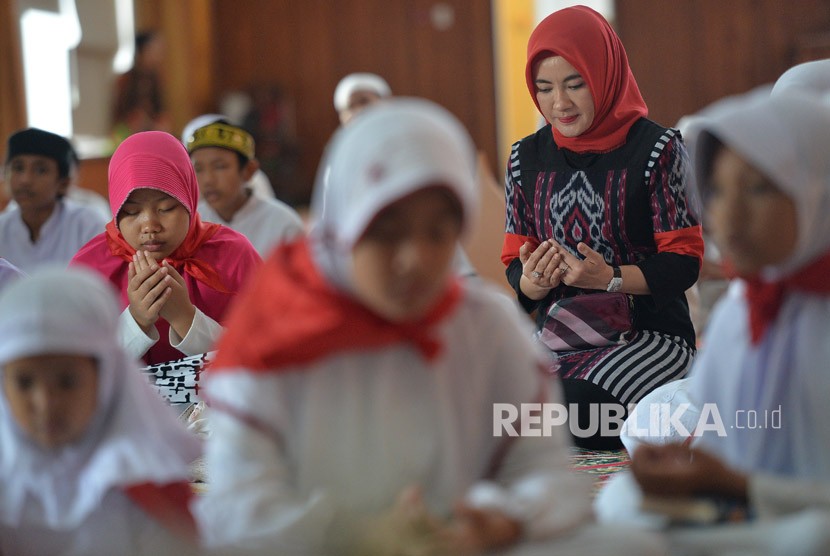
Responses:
[144,38]
[708,149]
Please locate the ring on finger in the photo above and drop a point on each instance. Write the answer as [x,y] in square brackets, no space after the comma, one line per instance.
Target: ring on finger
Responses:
[536,274]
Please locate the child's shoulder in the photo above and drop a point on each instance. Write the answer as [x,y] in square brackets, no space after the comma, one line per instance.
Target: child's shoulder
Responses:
[491,306]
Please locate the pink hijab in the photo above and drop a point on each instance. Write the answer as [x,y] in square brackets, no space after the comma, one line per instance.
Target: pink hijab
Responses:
[214,260]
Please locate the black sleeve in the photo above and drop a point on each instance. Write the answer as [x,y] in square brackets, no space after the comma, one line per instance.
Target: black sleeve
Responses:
[669,275]
[514,277]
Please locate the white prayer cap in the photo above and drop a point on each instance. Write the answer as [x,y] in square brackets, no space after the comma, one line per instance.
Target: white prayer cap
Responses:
[359,82]
[199,122]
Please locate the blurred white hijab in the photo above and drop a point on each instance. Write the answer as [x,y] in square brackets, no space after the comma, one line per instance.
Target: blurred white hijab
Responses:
[394,149]
[781,382]
[810,77]
[133,437]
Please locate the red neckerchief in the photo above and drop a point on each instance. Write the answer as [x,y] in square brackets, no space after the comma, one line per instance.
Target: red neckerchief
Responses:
[182,259]
[290,315]
[765,298]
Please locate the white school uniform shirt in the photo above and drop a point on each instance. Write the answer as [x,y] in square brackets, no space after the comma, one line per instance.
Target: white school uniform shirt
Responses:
[292,451]
[8,273]
[68,229]
[265,222]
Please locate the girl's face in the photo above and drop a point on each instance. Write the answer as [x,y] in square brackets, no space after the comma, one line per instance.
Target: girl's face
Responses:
[35,182]
[404,259]
[52,397]
[221,180]
[563,96]
[153,221]
[752,221]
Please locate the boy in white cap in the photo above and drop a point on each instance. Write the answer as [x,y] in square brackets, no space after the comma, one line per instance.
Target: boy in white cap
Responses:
[356,91]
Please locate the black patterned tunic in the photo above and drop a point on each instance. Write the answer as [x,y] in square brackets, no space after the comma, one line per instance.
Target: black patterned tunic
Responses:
[630,205]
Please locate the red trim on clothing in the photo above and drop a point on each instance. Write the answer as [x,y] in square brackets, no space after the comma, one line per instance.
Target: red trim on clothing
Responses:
[512,244]
[685,241]
[168,504]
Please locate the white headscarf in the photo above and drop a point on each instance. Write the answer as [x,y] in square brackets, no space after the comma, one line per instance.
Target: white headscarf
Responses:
[395,149]
[788,139]
[133,437]
[359,82]
[762,129]
[809,77]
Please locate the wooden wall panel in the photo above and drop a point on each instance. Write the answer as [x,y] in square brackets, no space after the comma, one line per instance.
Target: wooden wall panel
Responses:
[689,53]
[306,47]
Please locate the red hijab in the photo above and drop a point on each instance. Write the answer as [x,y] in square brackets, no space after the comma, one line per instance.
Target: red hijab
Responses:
[214,260]
[586,41]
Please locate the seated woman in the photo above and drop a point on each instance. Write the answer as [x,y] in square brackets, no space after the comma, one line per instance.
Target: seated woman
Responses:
[600,240]
[760,383]
[176,274]
[353,393]
[91,461]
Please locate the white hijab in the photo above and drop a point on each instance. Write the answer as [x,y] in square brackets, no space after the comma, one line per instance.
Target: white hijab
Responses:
[788,139]
[810,77]
[393,150]
[133,437]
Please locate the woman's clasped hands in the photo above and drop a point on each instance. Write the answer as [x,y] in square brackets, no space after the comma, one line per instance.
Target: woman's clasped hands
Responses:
[547,266]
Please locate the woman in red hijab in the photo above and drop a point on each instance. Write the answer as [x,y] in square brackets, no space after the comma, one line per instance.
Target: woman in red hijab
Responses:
[600,239]
[176,274]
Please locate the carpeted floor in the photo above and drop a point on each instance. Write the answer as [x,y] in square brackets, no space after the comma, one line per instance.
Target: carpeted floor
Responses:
[599,464]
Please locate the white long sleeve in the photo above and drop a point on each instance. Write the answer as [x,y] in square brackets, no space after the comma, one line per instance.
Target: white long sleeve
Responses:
[200,338]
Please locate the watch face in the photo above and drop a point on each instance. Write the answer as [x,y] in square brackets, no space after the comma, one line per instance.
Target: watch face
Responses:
[615,284]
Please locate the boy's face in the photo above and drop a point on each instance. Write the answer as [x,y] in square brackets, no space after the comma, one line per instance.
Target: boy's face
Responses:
[752,221]
[35,182]
[221,180]
[153,221]
[52,397]
[404,259]
[358,102]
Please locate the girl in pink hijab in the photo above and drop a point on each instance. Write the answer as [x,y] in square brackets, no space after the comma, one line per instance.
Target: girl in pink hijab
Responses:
[176,274]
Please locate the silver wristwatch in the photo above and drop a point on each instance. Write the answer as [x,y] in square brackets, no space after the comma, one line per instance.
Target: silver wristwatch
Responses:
[615,284]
